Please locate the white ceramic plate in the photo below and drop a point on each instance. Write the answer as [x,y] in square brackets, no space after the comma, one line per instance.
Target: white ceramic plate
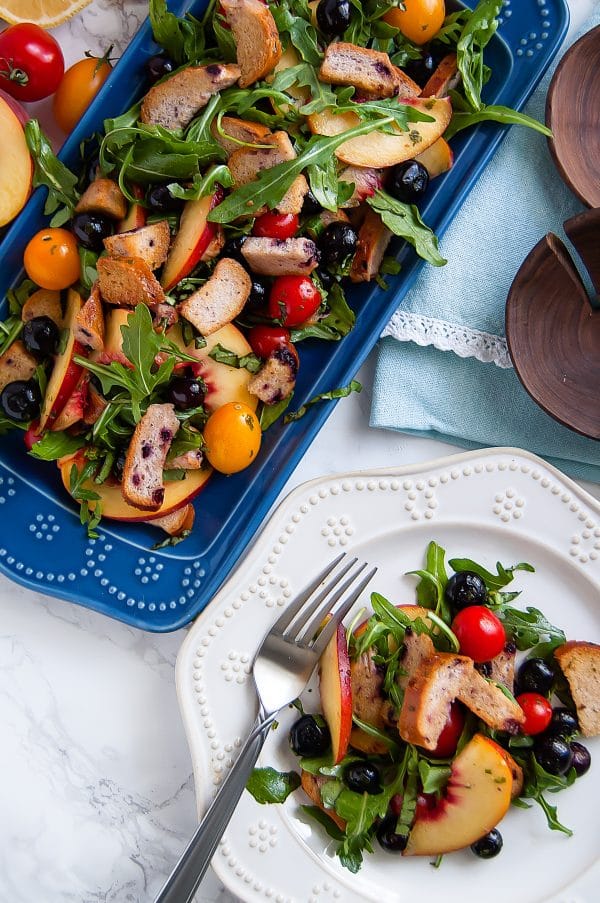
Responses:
[501,504]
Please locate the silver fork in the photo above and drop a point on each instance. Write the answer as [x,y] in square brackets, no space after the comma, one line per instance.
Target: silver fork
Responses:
[282,667]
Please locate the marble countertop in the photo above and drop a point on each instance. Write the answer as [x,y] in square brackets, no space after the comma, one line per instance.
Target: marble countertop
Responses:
[96,788]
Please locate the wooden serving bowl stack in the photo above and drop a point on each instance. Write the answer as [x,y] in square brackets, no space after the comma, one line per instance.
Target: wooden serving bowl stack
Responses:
[552,322]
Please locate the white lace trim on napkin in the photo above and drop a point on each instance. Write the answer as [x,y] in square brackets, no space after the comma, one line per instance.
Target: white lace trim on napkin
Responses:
[463,341]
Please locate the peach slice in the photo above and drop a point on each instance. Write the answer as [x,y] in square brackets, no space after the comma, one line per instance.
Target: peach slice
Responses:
[223,383]
[65,373]
[438,158]
[177,493]
[378,149]
[136,215]
[16,167]
[475,799]
[336,692]
[193,238]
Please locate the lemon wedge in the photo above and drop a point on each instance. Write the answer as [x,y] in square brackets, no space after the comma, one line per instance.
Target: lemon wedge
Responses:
[46,13]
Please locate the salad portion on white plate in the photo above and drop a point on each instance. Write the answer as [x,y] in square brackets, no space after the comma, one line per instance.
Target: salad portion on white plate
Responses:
[501,505]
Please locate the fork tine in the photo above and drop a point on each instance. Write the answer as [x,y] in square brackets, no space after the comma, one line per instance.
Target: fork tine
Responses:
[321,641]
[292,610]
[299,622]
[336,592]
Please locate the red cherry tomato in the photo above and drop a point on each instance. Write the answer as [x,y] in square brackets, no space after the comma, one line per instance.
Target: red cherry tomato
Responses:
[276,225]
[448,740]
[31,436]
[31,62]
[537,711]
[266,339]
[480,633]
[426,803]
[293,299]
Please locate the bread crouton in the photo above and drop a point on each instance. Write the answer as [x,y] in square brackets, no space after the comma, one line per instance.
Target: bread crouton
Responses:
[174,103]
[220,299]
[276,379]
[281,257]
[580,663]
[373,239]
[501,669]
[258,48]
[16,363]
[418,647]
[43,303]
[150,244]
[444,79]
[142,484]
[103,196]
[237,132]
[176,522]
[128,281]
[293,199]
[490,704]
[89,322]
[247,162]
[369,71]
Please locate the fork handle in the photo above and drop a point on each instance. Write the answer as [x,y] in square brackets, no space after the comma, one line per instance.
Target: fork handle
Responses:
[183,882]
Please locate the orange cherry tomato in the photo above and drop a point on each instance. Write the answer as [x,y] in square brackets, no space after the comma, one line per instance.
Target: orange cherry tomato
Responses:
[51,259]
[78,87]
[232,435]
[418,20]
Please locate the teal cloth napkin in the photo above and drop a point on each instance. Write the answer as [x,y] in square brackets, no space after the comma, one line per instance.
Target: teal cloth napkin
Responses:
[444,371]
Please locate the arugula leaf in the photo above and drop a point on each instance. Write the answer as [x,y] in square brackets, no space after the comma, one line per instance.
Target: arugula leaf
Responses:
[54,175]
[151,153]
[432,585]
[304,75]
[538,781]
[54,445]
[10,330]
[202,185]
[269,413]
[269,786]
[477,32]
[89,515]
[503,115]
[530,629]
[375,733]
[271,184]
[493,582]
[294,18]
[250,362]
[328,190]
[17,297]
[89,273]
[182,38]
[339,321]
[404,220]
[343,392]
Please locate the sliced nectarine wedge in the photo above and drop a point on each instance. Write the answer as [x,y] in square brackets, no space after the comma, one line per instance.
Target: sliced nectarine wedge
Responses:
[336,692]
[65,373]
[193,238]
[475,799]
[16,167]
[380,149]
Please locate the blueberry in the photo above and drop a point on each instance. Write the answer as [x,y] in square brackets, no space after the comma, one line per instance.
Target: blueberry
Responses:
[336,243]
[563,723]
[21,400]
[333,16]
[119,464]
[91,168]
[90,230]
[308,737]
[466,588]
[158,66]
[40,336]
[185,392]
[535,676]
[363,777]
[233,249]
[387,837]
[258,295]
[489,845]
[408,181]
[161,200]
[422,69]
[310,204]
[581,758]
[553,754]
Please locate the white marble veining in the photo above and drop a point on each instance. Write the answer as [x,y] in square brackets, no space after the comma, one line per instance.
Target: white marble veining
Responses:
[96,792]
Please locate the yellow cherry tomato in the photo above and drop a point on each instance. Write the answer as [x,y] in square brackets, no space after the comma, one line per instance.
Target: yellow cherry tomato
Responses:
[52,260]
[418,20]
[78,87]
[232,435]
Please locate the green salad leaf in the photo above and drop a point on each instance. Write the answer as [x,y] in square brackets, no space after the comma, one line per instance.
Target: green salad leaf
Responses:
[54,445]
[182,38]
[476,34]
[337,323]
[405,221]
[270,786]
[250,362]
[503,115]
[53,174]
[343,392]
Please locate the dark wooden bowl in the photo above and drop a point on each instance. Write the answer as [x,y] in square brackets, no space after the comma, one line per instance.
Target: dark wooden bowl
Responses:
[553,329]
[573,114]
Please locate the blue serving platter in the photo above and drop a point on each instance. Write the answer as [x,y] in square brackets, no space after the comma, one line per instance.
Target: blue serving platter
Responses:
[42,544]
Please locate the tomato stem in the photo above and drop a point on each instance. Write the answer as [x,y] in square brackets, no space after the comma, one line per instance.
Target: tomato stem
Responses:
[14,74]
[105,58]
